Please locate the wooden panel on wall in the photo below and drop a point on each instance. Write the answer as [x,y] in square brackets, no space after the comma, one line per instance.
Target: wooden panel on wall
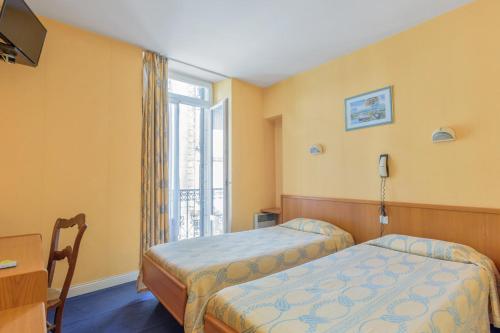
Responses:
[476,227]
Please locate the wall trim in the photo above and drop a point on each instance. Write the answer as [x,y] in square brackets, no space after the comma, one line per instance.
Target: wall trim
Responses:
[466,209]
[111,281]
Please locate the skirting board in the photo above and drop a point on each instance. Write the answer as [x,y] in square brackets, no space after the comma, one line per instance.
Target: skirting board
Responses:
[88,287]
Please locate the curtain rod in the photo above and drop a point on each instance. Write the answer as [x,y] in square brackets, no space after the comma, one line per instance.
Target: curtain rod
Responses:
[198,67]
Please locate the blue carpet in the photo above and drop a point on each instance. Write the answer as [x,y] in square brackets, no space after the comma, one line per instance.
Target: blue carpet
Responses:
[120,310]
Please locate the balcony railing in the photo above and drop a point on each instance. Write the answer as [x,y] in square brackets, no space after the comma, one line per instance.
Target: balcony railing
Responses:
[190,207]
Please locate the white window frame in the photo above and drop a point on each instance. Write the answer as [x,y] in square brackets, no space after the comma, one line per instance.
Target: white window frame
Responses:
[207,104]
[191,100]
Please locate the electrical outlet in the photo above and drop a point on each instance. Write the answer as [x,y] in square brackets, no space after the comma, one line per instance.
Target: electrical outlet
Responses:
[384,219]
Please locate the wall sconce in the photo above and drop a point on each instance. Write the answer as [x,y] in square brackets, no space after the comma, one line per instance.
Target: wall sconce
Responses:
[443,134]
[316,149]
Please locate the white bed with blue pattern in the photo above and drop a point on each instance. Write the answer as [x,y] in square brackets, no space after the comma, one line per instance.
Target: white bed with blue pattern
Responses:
[392,284]
[208,264]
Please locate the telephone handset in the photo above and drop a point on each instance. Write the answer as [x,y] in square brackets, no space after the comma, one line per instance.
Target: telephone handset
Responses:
[383,167]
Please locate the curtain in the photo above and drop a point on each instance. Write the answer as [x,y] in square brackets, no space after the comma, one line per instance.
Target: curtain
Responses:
[154,174]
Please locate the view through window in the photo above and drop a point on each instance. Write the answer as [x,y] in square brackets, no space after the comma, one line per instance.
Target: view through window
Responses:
[198,161]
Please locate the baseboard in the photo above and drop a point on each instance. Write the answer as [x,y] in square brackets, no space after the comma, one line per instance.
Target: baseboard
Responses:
[88,287]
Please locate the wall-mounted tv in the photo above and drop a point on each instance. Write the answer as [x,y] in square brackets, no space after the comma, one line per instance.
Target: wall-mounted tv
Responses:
[22,33]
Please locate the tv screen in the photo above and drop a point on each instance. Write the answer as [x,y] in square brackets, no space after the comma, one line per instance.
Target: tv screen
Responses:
[21,28]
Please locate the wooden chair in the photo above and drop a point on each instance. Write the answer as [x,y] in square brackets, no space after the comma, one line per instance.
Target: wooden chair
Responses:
[56,298]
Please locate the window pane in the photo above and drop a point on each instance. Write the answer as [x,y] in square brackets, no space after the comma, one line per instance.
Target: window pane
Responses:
[218,171]
[189,146]
[187,89]
[189,171]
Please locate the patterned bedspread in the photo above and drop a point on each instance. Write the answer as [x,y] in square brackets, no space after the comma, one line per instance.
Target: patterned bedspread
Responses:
[208,264]
[393,284]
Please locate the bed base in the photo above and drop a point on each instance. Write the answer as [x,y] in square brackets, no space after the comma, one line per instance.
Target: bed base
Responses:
[171,292]
[214,325]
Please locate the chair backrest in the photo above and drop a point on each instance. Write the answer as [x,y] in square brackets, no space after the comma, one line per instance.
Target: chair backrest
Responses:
[69,253]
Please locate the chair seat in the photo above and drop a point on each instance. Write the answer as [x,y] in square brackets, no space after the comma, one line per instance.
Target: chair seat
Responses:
[53,297]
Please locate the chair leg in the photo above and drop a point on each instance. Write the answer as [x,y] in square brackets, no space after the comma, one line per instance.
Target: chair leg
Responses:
[58,318]
[49,325]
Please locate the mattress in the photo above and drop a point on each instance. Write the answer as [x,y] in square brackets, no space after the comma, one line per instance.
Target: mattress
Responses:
[394,284]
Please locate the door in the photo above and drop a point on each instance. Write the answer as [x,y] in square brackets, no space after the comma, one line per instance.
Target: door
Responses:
[216,199]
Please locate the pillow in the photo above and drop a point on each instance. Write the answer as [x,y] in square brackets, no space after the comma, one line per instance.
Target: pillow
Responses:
[314,226]
[431,248]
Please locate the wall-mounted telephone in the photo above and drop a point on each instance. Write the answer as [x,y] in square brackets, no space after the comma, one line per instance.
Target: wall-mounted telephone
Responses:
[383,170]
[383,167]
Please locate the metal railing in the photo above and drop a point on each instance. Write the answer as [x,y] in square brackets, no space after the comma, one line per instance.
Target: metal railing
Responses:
[190,210]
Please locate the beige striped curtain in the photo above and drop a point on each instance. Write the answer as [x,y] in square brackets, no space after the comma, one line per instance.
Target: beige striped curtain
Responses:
[154,182]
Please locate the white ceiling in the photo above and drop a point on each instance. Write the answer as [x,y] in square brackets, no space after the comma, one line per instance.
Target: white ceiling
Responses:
[260,41]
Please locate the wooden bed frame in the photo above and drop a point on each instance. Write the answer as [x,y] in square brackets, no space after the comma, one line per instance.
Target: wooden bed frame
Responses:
[167,288]
[476,227]
[171,292]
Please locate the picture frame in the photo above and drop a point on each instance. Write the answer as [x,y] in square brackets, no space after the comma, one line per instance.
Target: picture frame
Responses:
[369,109]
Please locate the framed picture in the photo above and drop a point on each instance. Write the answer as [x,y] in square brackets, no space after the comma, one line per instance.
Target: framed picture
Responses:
[370,109]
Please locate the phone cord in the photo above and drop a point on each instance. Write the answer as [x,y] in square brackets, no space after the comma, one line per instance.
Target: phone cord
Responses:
[382,203]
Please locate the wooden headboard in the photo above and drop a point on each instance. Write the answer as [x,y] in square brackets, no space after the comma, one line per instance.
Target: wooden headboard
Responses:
[476,227]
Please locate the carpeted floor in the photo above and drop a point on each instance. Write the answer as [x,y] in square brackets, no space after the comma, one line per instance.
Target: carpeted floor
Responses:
[120,310]
[117,310]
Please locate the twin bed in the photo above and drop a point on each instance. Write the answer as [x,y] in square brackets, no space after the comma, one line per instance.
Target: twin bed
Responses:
[306,276]
[184,275]
[392,284]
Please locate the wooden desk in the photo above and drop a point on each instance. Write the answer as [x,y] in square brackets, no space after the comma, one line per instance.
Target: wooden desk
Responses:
[27,319]
[26,283]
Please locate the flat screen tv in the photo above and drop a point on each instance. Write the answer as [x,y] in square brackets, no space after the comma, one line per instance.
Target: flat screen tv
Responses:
[23,34]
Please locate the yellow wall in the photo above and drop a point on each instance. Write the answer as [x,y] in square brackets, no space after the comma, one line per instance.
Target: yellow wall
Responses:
[222,90]
[445,72]
[252,150]
[70,142]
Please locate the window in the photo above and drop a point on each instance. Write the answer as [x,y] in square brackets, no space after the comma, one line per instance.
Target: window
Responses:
[198,160]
